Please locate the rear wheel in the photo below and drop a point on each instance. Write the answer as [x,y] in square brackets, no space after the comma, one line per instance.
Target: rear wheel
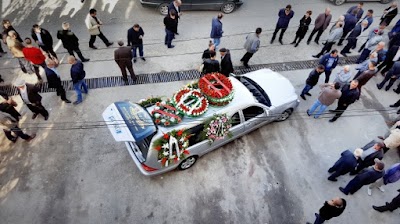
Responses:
[339,2]
[228,7]
[285,115]
[187,163]
[163,9]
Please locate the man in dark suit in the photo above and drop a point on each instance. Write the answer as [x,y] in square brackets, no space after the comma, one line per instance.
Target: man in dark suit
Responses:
[368,177]
[389,59]
[226,63]
[175,5]
[352,38]
[30,95]
[44,39]
[389,14]
[123,57]
[321,23]
[70,41]
[392,75]
[346,163]
[371,151]
[53,79]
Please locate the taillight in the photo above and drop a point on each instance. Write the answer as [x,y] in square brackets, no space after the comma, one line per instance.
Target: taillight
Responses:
[147,168]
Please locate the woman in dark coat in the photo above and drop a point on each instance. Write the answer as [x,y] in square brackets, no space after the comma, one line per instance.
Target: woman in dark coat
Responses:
[303,28]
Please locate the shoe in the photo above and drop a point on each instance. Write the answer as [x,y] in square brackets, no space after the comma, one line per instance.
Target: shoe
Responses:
[293,42]
[126,82]
[393,105]
[316,117]
[369,191]
[395,90]
[308,94]
[272,41]
[378,208]
[308,42]
[344,54]
[177,33]
[172,46]
[109,44]
[144,59]
[342,190]
[14,140]
[46,117]
[67,101]
[34,116]
[332,120]
[333,111]
[134,60]
[398,112]
[133,78]
[332,179]
[339,44]
[315,56]
[280,41]
[387,89]
[86,60]
[1,80]
[246,66]
[330,170]
[93,47]
[296,45]
[30,139]
[381,189]
[381,137]
[378,86]
[308,112]
[316,41]
[77,102]
[303,97]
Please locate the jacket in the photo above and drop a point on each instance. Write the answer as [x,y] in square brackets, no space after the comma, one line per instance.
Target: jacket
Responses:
[216,28]
[252,43]
[393,140]
[370,20]
[226,65]
[350,22]
[328,94]
[171,24]
[303,27]
[371,43]
[33,93]
[363,66]
[392,174]
[171,6]
[210,66]
[45,35]
[349,96]
[283,21]
[123,55]
[369,160]
[368,177]
[365,76]
[15,47]
[7,121]
[323,21]
[34,55]
[391,53]
[133,37]
[335,34]
[92,25]
[356,32]
[77,72]
[11,28]
[325,59]
[313,77]
[68,38]
[359,13]
[328,211]
[346,163]
[52,79]
[388,17]
[343,77]
[395,70]
[10,109]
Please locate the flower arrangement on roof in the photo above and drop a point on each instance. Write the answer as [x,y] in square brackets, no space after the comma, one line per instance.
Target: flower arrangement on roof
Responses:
[166,114]
[217,127]
[217,88]
[190,102]
[149,101]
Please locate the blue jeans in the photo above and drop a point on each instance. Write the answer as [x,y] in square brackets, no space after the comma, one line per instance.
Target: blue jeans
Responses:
[78,86]
[169,36]
[217,41]
[315,106]
[134,47]
[306,89]
[318,219]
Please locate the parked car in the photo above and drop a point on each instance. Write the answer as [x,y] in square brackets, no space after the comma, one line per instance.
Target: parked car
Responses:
[261,97]
[225,6]
[339,2]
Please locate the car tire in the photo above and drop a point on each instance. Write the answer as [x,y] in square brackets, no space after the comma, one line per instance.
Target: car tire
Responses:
[285,115]
[163,9]
[187,163]
[339,2]
[385,1]
[228,7]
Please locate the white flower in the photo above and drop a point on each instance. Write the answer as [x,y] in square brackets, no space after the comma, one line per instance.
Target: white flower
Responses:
[165,154]
[163,120]
[172,119]
[156,108]
[165,146]
[157,115]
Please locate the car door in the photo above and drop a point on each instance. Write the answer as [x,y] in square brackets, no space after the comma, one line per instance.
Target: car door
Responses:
[254,117]
[206,4]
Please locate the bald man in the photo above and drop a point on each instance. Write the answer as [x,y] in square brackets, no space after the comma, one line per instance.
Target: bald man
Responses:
[332,208]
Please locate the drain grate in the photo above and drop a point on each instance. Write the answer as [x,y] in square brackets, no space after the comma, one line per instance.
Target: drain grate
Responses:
[114,81]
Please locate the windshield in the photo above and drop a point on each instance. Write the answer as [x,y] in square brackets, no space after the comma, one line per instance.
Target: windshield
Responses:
[258,93]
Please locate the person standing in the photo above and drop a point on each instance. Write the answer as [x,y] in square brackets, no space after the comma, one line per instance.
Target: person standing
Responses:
[329,210]
[175,6]
[35,56]
[346,163]
[16,48]
[343,77]
[369,17]
[350,21]
[329,61]
[365,76]
[285,15]
[93,25]
[251,46]
[329,93]
[216,30]
[123,58]
[392,75]
[211,64]
[303,28]
[8,106]
[54,79]
[353,37]
[312,80]
[70,41]
[226,63]
[371,152]
[392,175]
[393,205]
[392,55]
[334,36]
[171,28]
[43,39]
[78,78]
[29,94]
[371,46]
[350,94]
[371,34]
[7,27]
[135,39]
[206,53]
[358,8]
[389,14]
[321,23]
[363,66]
[9,125]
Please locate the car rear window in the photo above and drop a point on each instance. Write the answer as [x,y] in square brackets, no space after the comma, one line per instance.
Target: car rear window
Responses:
[260,95]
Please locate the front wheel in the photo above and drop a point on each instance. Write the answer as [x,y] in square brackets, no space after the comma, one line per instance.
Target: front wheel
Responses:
[285,115]
[339,2]
[187,163]
[228,7]
[163,9]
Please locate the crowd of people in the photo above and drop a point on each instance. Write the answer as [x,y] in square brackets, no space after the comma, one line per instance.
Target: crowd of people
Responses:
[366,163]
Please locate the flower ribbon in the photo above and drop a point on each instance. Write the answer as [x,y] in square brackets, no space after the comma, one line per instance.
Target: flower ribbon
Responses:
[218,91]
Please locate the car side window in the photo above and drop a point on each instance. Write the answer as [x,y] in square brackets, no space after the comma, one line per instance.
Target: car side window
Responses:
[235,119]
[196,133]
[252,112]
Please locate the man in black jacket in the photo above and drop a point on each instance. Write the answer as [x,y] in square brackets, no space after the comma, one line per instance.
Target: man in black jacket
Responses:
[211,64]
[175,6]
[135,39]
[371,151]
[78,78]
[226,63]
[44,39]
[331,209]
[171,28]
[30,96]
[390,59]
[346,163]
[389,14]
[54,80]
[393,205]
[352,38]
[70,41]
[8,106]
[350,94]
[312,80]
[392,75]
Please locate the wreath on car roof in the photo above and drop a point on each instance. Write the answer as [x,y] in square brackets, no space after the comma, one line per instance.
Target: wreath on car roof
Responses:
[217,88]
[166,114]
[190,102]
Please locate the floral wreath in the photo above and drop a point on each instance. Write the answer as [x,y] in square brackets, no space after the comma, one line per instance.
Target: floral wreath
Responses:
[149,101]
[172,147]
[190,102]
[166,114]
[217,127]
[217,88]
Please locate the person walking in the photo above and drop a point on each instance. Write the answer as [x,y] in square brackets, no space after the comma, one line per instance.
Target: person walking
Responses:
[358,8]
[211,65]
[343,77]
[54,78]
[389,14]
[391,56]
[375,44]
[216,30]
[370,176]
[334,36]
[303,28]
[175,6]
[123,58]
[321,23]
[346,163]
[78,78]
[329,61]
[371,151]
[70,41]
[329,93]
[330,209]
[392,175]
[8,106]
[43,39]
[350,94]
[393,205]
[135,39]
[29,94]
[16,48]
[35,56]
[226,63]
[285,15]
[251,46]
[10,125]
[171,28]
[353,37]
[392,75]
[350,21]
[312,80]
[93,25]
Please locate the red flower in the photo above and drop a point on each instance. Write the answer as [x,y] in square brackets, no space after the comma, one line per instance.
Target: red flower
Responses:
[176,159]
[157,121]
[163,161]
[166,136]
[186,152]
[166,123]
[158,147]
[180,132]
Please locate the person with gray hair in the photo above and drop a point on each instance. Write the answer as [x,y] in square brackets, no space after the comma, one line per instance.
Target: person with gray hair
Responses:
[345,164]
[343,76]
[334,36]
[70,41]
[123,58]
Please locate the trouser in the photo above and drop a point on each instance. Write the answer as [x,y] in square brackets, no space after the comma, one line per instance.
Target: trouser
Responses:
[25,65]
[387,78]
[387,64]
[364,55]
[317,104]
[126,65]
[16,130]
[327,47]
[379,183]
[343,37]
[77,88]
[327,75]
[297,37]
[169,36]
[393,205]
[102,37]
[217,41]
[306,89]
[319,30]
[135,47]
[1,49]
[49,50]
[341,107]
[276,31]
[61,92]
[78,52]
[246,57]
[38,108]
[363,46]
[37,71]
[353,186]
[350,45]
[318,219]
